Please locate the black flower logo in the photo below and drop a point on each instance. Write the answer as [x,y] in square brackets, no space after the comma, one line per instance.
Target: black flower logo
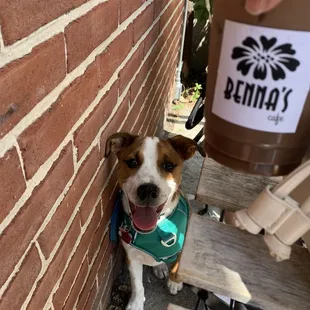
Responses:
[265,57]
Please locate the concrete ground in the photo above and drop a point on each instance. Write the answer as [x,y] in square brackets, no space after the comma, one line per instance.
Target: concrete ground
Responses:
[156,294]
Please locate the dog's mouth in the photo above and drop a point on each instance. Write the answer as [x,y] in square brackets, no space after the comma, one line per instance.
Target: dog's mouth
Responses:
[145,218]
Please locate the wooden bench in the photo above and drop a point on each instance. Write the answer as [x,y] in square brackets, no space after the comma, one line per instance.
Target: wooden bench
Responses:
[224,188]
[174,307]
[230,262]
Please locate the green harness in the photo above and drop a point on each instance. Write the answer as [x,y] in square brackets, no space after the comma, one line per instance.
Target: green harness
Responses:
[166,241]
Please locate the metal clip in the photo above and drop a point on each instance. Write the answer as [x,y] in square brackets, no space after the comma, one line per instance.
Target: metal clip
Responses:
[170,242]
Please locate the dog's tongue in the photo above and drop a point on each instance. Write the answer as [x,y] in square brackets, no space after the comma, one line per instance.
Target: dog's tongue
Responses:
[145,218]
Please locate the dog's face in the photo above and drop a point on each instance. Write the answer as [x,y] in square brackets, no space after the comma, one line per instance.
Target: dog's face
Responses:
[149,172]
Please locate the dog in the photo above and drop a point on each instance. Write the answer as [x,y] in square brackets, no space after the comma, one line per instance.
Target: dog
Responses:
[149,174]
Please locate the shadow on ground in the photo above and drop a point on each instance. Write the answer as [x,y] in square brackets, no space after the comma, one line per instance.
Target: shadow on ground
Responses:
[157,296]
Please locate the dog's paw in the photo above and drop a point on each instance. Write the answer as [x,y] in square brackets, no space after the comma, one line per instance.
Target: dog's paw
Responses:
[190,197]
[161,271]
[136,303]
[174,287]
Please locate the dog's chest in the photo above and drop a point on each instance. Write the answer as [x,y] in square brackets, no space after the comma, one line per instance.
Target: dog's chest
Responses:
[139,256]
[162,244]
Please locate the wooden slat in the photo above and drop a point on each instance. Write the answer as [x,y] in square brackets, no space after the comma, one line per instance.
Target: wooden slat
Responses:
[227,261]
[225,188]
[174,307]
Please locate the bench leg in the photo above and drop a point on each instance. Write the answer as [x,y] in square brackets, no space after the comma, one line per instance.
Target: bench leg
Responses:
[222,216]
[203,296]
[204,210]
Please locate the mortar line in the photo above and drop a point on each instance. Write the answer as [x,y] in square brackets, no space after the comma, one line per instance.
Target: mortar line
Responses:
[43,260]
[21,161]
[1,41]
[75,156]
[66,52]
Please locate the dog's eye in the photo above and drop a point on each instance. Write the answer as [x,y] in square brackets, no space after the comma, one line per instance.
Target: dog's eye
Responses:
[168,166]
[132,163]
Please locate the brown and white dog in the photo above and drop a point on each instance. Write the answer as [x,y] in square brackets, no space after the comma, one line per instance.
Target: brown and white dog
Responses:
[149,174]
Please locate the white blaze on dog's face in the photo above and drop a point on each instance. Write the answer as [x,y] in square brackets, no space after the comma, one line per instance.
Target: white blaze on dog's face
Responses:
[149,172]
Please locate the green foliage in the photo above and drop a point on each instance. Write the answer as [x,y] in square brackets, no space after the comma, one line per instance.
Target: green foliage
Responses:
[197,91]
[203,11]
[178,107]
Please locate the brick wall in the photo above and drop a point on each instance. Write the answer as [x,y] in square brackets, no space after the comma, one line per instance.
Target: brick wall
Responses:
[72,72]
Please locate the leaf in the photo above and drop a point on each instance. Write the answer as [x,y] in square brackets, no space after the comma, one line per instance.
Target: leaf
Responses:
[198,86]
[200,10]
[178,106]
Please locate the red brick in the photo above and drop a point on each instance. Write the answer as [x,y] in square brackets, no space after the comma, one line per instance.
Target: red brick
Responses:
[153,128]
[105,262]
[150,81]
[69,276]
[21,285]
[143,22]
[41,139]
[155,116]
[91,298]
[138,81]
[87,132]
[89,31]
[108,207]
[128,7]
[115,123]
[159,118]
[159,5]
[155,51]
[56,267]
[167,14]
[21,18]
[13,184]
[78,284]
[52,232]
[137,129]
[95,243]
[157,66]
[135,112]
[111,276]
[130,69]
[151,38]
[26,81]
[32,214]
[115,54]
[93,193]
[146,112]
[90,280]
[108,193]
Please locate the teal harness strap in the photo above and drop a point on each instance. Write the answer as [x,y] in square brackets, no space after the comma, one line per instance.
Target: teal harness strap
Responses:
[166,241]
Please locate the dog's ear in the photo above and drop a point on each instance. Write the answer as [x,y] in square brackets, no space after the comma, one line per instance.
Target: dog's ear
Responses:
[185,147]
[118,142]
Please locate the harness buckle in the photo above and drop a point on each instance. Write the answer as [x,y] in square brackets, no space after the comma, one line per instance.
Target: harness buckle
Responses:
[170,242]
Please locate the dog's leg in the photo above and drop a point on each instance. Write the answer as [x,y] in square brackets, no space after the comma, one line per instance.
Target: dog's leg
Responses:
[174,285]
[136,301]
[161,271]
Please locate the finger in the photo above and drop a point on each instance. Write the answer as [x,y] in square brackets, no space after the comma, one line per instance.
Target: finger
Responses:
[256,7]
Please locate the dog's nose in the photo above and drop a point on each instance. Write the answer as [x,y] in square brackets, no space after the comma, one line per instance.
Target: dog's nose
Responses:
[147,191]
